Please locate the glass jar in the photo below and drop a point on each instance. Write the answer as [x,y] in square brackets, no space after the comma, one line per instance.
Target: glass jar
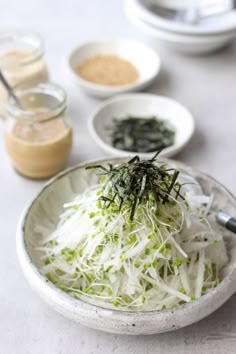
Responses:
[21,61]
[38,135]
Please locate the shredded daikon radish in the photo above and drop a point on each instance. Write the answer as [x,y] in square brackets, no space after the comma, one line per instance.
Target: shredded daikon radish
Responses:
[161,258]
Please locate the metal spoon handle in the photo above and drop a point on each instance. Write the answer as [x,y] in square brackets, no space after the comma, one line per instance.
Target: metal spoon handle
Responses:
[8,88]
[231,225]
[227,221]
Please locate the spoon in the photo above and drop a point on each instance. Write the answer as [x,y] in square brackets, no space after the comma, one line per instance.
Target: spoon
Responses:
[226,220]
[9,89]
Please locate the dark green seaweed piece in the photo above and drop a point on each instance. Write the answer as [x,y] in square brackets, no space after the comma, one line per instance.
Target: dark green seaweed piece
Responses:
[139,134]
[137,181]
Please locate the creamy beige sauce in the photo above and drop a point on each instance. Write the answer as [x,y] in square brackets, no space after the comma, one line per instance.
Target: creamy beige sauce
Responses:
[16,73]
[39,150]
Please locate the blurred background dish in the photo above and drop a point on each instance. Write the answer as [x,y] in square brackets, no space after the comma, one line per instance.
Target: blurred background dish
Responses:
[143,106]
[155,13]
[205,37]
[123,51]
[183,43]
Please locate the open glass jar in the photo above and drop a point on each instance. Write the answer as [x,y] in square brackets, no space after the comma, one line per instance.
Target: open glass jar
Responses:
[21,60]
[38,135]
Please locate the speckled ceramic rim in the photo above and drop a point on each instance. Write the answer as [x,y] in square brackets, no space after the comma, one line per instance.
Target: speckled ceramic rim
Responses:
[116,321]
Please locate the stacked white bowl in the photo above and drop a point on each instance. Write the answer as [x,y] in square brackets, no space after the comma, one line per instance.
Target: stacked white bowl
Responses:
[204,36]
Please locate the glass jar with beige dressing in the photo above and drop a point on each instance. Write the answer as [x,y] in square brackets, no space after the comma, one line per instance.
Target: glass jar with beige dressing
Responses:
[21,61]
[38,135]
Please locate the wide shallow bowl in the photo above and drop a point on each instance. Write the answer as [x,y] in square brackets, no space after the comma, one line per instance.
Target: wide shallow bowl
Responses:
[210,25]
[145,59]
[141,105]
[44,211]
[187,43]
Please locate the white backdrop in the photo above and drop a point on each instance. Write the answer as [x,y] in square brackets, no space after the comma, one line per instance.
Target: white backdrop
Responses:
[206,85]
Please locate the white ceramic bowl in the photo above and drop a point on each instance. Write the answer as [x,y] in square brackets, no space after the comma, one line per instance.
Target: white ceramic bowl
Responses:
[211,25]
[141,105]
[186,43]
[45,210]
[145,59]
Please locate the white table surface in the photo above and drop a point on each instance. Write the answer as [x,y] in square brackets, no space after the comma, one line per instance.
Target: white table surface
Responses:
[206,85]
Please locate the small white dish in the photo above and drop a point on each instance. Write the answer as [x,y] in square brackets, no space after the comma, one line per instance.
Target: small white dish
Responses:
[44,212]
[145,59]
[141,105]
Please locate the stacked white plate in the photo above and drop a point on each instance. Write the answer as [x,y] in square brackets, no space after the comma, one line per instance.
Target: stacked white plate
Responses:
[208,34]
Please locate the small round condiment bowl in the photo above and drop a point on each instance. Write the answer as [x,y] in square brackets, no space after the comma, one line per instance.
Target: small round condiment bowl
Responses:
[193,45]
[41,217]
[144,106]
[145,60]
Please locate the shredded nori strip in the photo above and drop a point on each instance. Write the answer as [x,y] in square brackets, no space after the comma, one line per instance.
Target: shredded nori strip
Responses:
[137,181]
[139,134]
